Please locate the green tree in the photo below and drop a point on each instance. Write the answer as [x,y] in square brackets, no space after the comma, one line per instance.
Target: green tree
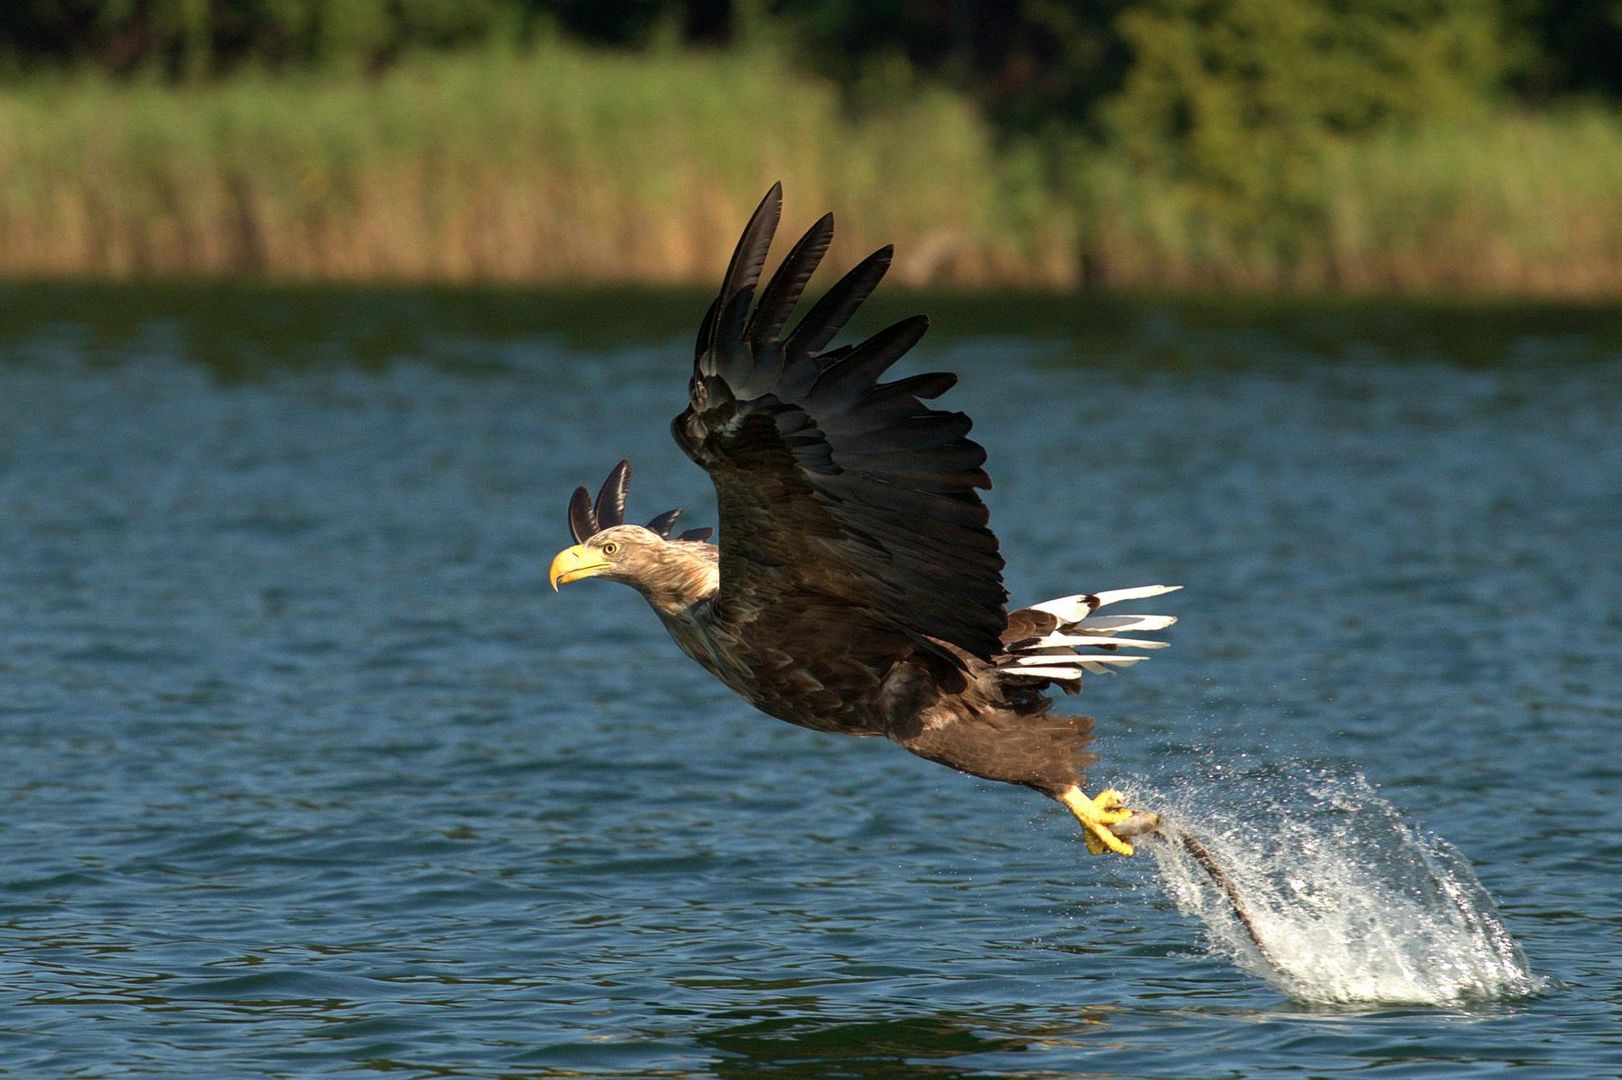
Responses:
[1235,99]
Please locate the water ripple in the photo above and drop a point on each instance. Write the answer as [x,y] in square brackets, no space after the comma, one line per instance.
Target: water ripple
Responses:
[306,770]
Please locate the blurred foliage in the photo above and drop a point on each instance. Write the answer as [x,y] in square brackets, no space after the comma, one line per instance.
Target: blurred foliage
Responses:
[557,163]
[1567,47]
[1240,99]
[1308,143]
[1031,62]
[191,38]
[1034,64]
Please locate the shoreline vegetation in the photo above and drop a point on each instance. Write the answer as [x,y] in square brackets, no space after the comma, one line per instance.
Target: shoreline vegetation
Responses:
[562,164]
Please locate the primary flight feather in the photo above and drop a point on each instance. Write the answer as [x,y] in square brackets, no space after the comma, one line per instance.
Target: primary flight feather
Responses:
[856,587]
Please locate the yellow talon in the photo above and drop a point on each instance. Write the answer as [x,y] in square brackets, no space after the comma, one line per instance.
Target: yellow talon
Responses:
[1096,816]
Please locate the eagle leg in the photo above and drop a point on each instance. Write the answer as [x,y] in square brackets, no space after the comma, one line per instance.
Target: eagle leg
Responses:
[1096,815]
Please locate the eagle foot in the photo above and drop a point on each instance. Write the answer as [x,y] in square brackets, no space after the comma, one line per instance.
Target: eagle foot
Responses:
[1096,815]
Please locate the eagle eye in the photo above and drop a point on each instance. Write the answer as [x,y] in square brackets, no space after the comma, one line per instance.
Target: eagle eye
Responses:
[611,548]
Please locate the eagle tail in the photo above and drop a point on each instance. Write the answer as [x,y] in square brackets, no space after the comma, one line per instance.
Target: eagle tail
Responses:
[1058,640]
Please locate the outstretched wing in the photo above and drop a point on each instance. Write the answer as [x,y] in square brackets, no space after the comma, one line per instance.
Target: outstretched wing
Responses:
[836,491]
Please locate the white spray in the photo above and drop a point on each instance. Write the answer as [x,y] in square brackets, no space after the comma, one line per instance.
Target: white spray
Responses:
[1318,886]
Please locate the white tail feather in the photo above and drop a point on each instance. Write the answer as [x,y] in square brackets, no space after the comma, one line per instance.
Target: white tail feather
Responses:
[1130,622]
[1097,640]
[1078,607]
[1094,665]
[1059,660]
[1142,592]
[1056,674]
[1080,629]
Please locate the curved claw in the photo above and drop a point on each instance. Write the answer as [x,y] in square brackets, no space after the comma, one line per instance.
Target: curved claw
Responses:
[1096,815]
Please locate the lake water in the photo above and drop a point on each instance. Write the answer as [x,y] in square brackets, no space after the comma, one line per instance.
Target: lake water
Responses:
[306,771]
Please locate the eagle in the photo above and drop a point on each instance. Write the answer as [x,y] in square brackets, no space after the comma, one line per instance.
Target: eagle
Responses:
[856,587]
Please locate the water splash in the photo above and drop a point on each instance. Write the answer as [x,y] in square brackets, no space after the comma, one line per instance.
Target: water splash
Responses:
[1349,903]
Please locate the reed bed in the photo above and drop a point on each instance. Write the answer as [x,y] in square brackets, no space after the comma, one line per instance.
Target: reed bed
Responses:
[1509,205]
[560,165]
[567,165]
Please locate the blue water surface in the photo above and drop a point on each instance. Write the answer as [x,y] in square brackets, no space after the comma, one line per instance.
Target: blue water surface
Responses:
[306,771]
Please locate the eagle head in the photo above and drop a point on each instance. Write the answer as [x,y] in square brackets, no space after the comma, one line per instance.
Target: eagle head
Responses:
[639,555]
[620,553]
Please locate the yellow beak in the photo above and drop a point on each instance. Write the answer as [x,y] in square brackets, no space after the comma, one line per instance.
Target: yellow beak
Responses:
[575,563]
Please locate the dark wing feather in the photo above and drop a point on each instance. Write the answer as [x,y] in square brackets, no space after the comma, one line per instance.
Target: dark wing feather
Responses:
[582,519]
[728,316]
[664,523]
[587,519]
[834,487]
[830,314]
[609,510]
[783,291]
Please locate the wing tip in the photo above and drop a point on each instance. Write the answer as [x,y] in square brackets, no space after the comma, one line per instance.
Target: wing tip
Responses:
[582,520]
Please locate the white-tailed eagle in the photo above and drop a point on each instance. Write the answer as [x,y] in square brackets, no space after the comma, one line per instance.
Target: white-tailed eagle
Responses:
[856,587]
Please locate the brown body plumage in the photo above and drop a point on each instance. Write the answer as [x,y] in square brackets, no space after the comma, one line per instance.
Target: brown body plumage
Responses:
[856,588]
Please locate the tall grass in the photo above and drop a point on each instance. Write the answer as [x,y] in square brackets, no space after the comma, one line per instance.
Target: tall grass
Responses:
[563,164]
[556,165]
[1510,204]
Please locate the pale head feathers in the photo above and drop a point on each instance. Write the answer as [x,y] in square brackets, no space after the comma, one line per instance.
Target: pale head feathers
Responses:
[674,574]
